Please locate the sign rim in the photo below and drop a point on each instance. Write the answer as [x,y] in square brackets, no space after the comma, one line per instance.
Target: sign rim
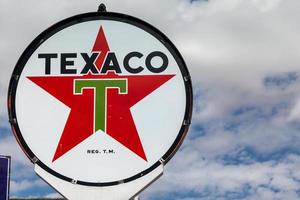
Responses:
[34,45]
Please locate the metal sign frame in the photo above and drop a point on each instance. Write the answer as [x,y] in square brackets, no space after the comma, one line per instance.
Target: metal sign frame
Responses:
[8,158]
[89,17]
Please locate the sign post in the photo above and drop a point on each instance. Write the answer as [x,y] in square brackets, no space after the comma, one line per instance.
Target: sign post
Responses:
[4,177]
[100,102]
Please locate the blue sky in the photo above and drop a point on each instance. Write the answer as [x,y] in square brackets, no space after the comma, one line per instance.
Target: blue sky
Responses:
[243,56]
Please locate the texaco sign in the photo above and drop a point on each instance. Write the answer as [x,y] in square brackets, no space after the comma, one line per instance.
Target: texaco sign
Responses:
[100,98]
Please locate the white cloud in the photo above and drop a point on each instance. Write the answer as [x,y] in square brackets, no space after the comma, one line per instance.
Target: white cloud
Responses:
[267,194]
[266,5]
[295,112]
[17,186]
[193,174]
[8,146]
[53,195]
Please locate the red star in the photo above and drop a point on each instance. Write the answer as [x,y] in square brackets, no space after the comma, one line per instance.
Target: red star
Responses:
[119,121]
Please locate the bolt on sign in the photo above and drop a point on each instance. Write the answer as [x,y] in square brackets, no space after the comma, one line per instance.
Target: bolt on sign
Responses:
[4,177]
[100,99]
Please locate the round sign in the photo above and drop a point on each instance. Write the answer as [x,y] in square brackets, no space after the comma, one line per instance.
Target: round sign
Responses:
[100,99]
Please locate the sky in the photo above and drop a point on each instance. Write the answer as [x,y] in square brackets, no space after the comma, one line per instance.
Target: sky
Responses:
[243,56]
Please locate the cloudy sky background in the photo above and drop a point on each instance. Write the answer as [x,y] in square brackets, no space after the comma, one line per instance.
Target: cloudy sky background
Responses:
[243,56]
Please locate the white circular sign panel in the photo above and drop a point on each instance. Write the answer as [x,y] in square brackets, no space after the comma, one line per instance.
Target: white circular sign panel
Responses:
[100,98]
